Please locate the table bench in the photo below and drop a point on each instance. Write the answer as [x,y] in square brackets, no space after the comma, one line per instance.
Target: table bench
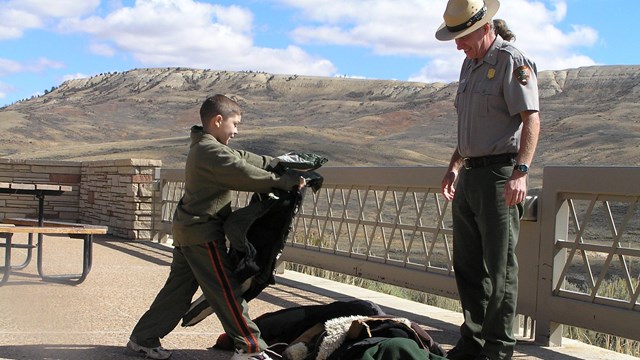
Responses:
[47,223]
[72,230]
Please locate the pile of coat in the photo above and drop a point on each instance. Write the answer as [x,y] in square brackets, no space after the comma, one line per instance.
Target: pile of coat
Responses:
[343,330]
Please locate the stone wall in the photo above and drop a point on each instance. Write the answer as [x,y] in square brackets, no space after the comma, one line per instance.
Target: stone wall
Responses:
[113,193]
[63,207]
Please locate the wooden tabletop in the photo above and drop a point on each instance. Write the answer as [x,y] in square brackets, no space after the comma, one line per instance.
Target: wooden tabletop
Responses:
[26,188]
[4,228]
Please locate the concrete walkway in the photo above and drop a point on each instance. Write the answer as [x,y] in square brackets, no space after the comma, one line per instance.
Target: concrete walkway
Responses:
[40,320]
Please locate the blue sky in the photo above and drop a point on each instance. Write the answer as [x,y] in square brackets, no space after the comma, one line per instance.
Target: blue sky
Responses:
[45,42]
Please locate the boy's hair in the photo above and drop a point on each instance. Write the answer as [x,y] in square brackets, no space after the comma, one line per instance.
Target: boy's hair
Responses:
[218,105]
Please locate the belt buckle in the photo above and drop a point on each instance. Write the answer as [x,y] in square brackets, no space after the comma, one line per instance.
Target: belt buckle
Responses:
[466,162]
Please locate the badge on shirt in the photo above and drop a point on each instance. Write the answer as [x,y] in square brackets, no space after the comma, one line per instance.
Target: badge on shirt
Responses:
[522,74]
[491,73]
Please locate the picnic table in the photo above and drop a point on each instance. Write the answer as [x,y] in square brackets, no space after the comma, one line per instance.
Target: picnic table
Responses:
[39,190]
[41,227]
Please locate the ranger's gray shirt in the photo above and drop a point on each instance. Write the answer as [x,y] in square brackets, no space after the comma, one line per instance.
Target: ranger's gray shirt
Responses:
[491,95]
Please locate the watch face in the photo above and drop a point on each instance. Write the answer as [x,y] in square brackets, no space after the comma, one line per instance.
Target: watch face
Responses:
[523,168]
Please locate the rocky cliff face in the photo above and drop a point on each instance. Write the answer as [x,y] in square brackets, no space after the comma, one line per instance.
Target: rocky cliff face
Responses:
[590,117]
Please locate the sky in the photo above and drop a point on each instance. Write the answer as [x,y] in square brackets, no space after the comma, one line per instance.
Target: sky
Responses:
[46,42]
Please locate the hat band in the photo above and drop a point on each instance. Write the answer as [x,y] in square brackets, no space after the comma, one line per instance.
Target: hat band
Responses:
[474,19]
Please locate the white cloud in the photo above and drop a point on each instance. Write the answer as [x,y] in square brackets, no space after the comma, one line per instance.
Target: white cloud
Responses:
[57,9]
[560,10]
[41,64]
[387,27]
[4,89]
[538,34]
[406,28]
[9,67]
[13,67]
[74,76]
[14,22]
[102,49]
[18,16]
[440,70]
[291,60]
[194,34]
[566,61]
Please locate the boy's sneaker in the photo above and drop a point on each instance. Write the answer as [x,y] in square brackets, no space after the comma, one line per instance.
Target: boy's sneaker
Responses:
[241,355]
[151,353]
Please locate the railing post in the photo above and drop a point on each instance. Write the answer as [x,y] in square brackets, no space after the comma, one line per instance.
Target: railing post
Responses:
[554,225]
[559,261]
[528,253]
[156,204]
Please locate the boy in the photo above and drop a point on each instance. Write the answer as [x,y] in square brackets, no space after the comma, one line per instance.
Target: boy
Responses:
[200,257]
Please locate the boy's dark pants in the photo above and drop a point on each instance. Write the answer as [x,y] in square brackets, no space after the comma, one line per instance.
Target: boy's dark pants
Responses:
[208,267]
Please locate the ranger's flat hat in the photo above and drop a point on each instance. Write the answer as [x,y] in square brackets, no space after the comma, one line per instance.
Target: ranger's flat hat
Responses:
[463,17]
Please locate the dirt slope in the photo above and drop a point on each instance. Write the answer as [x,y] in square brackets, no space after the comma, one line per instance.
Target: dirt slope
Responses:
[591,116]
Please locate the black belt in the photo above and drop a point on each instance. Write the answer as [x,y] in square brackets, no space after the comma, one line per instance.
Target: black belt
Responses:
[482,161]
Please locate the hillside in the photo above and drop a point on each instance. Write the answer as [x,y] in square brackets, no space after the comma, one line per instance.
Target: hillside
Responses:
[591,116]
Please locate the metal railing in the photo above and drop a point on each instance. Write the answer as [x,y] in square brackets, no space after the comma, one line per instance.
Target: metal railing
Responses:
[392,225]
[589,239]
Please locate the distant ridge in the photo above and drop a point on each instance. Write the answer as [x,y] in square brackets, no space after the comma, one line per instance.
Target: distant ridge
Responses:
[591,116]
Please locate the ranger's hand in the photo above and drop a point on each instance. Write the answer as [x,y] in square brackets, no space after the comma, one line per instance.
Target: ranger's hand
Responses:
[515,189]
[448,184]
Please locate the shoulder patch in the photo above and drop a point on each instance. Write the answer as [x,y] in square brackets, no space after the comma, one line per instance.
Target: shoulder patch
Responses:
[522,74]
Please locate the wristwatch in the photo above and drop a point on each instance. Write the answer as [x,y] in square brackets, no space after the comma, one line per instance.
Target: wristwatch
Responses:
[523,168]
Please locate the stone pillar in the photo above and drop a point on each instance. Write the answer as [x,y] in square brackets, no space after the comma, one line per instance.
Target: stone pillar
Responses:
[119,194]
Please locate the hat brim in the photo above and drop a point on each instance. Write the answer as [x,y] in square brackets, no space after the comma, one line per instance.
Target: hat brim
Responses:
[443,34]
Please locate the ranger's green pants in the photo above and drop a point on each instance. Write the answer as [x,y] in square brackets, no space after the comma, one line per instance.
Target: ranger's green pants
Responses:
[485,232]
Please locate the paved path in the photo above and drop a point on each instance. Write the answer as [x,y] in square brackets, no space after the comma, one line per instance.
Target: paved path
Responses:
[93,320]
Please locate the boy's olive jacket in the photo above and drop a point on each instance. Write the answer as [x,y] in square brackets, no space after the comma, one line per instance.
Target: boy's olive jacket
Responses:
[212,171]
